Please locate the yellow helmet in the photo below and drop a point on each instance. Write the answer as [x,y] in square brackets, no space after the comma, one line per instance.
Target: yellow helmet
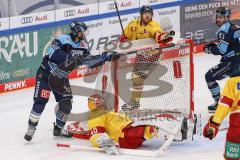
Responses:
[96,102]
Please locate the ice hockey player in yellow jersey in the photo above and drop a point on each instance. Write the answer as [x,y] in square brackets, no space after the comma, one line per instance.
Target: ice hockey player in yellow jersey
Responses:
[145,27]
[142,28]
[109,129]
[229,103]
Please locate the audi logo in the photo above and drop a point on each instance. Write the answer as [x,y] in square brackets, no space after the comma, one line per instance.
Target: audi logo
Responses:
[69,13]
[26,20]
[111,6]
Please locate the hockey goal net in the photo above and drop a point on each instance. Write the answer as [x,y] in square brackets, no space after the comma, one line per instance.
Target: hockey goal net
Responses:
[160,78]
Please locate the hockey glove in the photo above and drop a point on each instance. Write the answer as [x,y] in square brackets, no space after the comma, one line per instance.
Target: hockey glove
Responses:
[122,39]
[208,48]
[110,56]
[109,148]
[163,38]
[211,129]
[107,144]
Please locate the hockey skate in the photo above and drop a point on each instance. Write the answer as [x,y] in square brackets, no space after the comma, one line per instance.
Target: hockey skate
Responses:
[132,106]
[212,108]
[58,132]
[30,132]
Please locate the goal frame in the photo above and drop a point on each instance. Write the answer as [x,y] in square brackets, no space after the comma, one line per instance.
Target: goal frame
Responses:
[168,52]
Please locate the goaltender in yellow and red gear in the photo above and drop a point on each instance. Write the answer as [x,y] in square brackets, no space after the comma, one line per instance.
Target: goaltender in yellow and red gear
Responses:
[229,103]
[117,126]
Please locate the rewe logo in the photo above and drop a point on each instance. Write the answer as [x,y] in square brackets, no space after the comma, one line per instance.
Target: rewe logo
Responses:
[24,44]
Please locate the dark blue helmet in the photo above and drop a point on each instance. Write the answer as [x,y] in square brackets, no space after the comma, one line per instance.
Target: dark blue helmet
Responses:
[76,27]
[146,9]
[223,11]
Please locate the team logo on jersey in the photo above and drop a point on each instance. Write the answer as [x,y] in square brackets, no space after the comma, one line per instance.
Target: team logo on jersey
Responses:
[45,93]
[146,31]
[221,35]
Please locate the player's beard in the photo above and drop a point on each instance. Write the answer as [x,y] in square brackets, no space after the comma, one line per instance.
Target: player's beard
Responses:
[219,23]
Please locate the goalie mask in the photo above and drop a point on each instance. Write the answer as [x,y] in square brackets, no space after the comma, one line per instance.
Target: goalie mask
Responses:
[96,102]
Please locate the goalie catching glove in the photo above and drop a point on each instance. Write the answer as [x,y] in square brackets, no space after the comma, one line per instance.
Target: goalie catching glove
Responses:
[123,38]
[211,129]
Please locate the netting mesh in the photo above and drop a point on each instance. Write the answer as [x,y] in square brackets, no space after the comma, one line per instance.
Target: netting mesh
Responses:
[154,79]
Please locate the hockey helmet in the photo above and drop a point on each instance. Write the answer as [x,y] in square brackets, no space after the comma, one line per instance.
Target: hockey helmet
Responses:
[146,9]
[76,27]
[96,102]
[223,11]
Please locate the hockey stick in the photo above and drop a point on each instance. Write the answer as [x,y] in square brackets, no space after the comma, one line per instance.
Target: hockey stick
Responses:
[132,152]
[120,21]
[223,129]
[165,146]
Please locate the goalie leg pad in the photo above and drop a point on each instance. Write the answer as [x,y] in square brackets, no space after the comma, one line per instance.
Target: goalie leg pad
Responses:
[65,107]
[133,137]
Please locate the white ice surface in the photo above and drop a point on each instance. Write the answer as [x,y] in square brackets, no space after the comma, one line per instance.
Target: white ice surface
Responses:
[16,106]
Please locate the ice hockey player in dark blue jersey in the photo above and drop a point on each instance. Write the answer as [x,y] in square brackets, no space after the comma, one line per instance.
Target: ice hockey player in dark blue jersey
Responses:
[64,54]
[228,47]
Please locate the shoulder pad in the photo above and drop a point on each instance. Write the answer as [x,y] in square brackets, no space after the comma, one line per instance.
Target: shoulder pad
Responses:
[224,28]
[153,23]
[134,22]
[64,39]
[235,27]
[237,34]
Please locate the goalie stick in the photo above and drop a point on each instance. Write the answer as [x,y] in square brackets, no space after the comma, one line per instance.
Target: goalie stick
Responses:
[172,128]
[122,151]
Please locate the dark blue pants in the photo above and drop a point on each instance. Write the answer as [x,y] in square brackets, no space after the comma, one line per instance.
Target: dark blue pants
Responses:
[42,95]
